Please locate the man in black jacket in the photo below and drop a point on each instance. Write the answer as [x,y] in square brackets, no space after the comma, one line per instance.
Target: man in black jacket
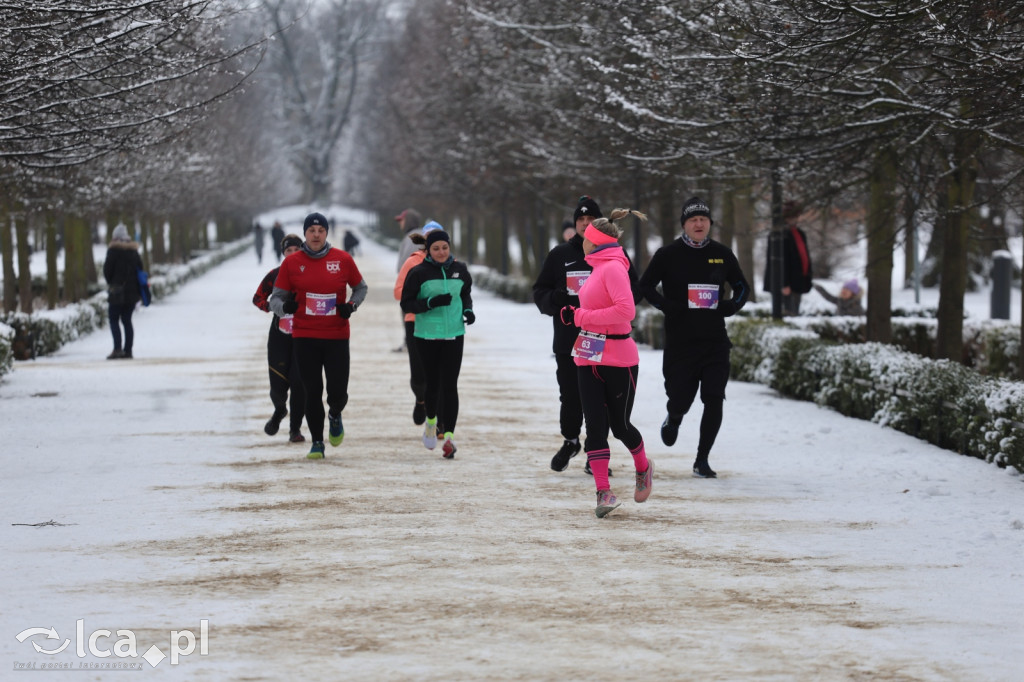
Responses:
[693,272]
[558,284]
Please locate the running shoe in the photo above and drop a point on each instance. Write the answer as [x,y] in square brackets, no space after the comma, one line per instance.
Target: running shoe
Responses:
[316,451]
[644,480]
[569,449]
[670,430]
[702,470]
[337,431]
[606,503]
[274,423]
[430,435]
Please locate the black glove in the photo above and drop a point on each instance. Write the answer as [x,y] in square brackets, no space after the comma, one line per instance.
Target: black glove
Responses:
[568,316]
[468,316]
[290,304]
[439,301]
[345,310]
[560,299]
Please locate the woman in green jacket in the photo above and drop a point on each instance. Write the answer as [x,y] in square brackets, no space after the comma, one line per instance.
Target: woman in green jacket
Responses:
[438,292]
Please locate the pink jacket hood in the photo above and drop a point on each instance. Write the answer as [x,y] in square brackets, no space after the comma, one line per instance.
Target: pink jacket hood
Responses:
[606,305]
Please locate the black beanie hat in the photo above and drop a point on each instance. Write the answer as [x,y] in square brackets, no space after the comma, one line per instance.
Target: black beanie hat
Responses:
[315,219]
[437,236]
[695,206]
[291,240]
[586,207]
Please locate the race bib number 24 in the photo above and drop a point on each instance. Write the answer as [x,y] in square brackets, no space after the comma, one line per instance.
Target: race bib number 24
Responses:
[321,304]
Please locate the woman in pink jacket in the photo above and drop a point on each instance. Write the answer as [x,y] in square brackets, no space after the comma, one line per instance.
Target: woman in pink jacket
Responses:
[607,359]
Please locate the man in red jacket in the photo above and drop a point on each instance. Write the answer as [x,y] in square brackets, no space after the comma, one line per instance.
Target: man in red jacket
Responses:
[313,286]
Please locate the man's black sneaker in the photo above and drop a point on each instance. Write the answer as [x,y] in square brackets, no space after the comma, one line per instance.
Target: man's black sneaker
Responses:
[296,437]
[274,423]
[670,430]
[569,449]
[702,470]
[419,414]
[586,470]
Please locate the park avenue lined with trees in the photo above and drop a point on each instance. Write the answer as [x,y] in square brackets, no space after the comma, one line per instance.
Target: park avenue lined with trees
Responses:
[899,123]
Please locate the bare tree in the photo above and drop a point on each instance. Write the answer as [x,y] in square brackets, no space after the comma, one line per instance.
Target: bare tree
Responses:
[318,60]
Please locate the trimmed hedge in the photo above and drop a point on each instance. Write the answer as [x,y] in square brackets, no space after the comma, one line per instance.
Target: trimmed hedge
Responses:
[940,401]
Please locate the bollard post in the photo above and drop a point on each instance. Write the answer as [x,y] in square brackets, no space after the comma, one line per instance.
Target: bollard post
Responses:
[1002,276]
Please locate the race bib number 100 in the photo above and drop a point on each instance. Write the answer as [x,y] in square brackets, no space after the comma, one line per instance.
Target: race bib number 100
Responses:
[589,346]
[704,296]
[321,304]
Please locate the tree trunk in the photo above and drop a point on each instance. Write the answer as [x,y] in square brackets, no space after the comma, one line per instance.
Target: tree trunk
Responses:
[21,229]
[668,224]
[153,233]
[775,247]
[909,237]
[52,284]
[960,194]
[881,231]
[90,258]
[469,249]
[7,246]
[523,223]
[77,242]
[493,247]
[743,217]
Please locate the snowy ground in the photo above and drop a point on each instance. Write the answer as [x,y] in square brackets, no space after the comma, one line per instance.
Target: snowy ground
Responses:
[829,548]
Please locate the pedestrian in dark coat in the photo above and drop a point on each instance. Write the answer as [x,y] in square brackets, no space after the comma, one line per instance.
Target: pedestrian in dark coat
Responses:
[796,260]
[121,271]
[277,237]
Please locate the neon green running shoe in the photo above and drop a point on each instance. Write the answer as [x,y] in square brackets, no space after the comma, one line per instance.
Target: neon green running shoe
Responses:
[337,431]
[316,451]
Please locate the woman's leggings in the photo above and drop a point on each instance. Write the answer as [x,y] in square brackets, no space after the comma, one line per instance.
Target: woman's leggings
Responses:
[442,362]
[417,377]
[607,394]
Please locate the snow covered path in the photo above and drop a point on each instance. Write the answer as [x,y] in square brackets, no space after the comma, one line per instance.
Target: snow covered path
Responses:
[828,548]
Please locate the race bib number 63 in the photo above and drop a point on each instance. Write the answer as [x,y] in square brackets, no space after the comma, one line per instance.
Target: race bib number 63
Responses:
[589,346]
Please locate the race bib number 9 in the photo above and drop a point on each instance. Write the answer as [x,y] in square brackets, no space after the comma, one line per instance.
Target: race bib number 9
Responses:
[574,281]
[589,346]
[704,296]
[321,304]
